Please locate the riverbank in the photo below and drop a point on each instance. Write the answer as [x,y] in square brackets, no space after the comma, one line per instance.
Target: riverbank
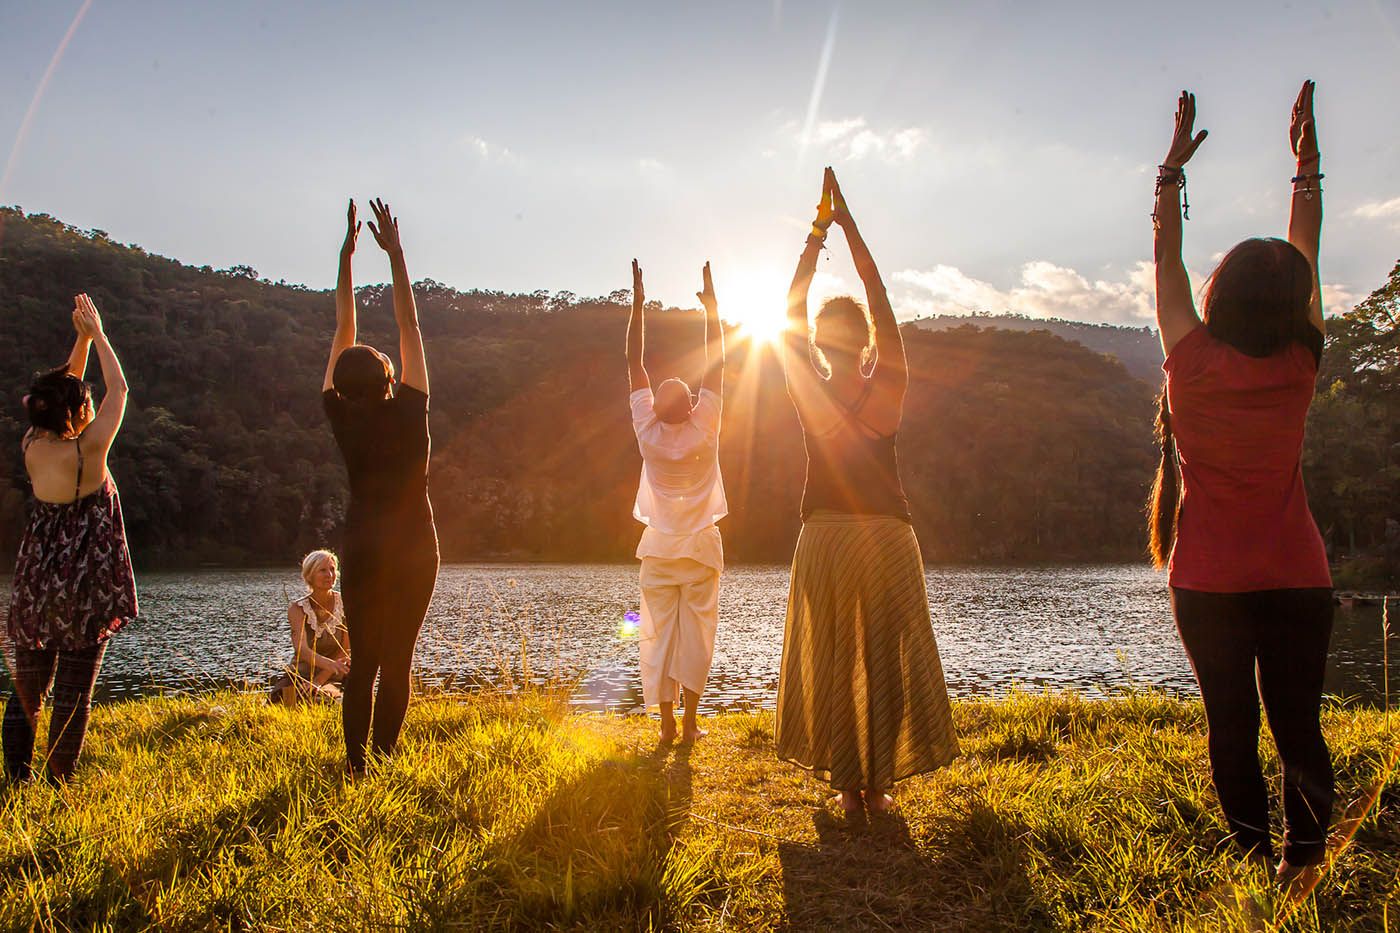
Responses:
[1062,813]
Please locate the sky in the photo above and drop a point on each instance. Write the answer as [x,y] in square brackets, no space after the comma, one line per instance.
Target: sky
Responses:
[998,156]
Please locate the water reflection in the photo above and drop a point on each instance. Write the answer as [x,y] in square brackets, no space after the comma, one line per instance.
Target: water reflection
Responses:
[1096,629]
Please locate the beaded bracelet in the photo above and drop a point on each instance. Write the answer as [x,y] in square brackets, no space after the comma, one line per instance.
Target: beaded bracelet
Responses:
[1171,175]
[1307,180]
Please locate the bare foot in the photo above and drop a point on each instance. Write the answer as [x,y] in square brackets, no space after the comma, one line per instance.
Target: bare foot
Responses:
[693,734]
[1298,881]
[848,801]
[878,802]
[668,731]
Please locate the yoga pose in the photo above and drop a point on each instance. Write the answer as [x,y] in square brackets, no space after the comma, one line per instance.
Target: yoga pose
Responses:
[391,552]
[1250,584]
[73,585]
[320,639]
[679,499]
[861,697]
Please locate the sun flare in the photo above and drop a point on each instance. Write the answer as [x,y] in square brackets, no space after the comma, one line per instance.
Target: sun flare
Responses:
[756,306]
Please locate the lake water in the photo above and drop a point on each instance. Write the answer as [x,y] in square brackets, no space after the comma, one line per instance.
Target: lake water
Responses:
[1096,629]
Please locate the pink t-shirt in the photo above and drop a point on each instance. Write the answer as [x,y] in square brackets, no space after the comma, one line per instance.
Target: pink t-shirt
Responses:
[1238,421]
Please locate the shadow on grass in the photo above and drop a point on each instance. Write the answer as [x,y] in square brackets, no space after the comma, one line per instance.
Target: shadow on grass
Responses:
[594,853]
[870,873]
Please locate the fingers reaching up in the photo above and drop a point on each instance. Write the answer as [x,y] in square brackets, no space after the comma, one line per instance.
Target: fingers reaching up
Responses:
[1184,143]
[386,231]
[707,292]
[352,228]
[839,210]
[85,317]
[638,292]
[826,214]
[1302,128]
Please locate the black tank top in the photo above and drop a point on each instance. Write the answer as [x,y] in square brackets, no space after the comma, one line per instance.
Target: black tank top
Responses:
[850,471]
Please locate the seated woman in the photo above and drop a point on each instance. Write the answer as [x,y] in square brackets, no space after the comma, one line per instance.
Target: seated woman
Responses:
[320,640]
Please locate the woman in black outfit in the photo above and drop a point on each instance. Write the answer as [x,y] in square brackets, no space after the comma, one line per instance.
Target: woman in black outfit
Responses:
[390,555]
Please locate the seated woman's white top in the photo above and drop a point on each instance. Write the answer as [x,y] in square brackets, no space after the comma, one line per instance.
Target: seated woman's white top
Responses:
[334,621]
[681,493]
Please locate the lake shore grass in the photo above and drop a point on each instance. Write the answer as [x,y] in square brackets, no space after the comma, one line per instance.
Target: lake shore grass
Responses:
[220,812]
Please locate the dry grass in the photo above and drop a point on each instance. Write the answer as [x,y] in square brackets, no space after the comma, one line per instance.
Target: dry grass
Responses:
[1062,814]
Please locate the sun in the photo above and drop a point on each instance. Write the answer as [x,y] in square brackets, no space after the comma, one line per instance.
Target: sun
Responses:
[757,307]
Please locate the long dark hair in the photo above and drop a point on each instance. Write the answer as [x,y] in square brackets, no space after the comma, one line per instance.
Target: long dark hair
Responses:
[1165,501]
[56,401]
[1257,298]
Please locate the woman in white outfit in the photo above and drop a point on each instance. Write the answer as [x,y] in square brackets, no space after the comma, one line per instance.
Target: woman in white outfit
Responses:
[679,499]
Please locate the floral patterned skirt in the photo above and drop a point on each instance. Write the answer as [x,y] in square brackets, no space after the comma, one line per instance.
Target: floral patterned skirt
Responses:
[73,585]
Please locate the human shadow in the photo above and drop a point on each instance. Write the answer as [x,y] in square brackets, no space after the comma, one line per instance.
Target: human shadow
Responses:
[870,873]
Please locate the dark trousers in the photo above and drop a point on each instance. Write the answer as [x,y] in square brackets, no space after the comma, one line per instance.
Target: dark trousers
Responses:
[72,675]
[386,598]
[1269,645]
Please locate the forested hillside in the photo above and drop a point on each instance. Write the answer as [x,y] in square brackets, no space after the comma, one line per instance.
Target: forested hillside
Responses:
[1016,445]
[1137,348]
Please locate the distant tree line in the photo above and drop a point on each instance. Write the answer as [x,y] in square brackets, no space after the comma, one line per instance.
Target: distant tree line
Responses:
[1017,445]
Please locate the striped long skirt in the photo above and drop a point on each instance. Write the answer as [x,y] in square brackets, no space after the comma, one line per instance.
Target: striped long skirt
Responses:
[861,697]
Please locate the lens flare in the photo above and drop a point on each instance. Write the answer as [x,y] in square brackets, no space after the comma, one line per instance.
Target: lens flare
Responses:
[630,624]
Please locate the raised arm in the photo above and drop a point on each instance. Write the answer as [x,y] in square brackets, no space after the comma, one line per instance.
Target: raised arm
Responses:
[713,378]
[891,372]
[412,363]
[815,409]
[345,330]
[113,408]
[636,334]
[1176,310]
[78,358]
[1305,213]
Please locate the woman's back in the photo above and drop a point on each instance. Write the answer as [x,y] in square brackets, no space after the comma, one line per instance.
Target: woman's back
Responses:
[54,464]
[386,447]
[1238,422]
[851,469]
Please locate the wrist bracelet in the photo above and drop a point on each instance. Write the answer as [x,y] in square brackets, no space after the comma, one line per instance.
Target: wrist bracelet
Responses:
[1308,186]
[819,233]
[1171,175]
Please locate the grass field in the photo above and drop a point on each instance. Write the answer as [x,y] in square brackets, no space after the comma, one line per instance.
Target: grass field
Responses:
[510,813]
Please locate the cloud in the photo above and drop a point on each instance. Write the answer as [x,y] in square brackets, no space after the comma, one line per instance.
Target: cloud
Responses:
[853,139]
[1337,298]
[1379,210]
[1045,290]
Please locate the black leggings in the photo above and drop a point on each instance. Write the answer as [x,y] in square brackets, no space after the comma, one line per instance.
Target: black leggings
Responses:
[386,597]
[1269,645]
[72,675]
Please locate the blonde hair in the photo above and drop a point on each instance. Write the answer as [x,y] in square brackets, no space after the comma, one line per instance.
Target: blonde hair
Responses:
[313,562]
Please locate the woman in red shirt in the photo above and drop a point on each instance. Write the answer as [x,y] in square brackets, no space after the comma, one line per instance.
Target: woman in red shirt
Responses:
[1251,589]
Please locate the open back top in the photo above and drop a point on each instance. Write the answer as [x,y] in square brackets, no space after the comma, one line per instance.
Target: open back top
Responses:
[852,470]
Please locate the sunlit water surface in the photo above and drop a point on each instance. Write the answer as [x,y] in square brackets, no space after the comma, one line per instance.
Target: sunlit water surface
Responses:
[1097,629]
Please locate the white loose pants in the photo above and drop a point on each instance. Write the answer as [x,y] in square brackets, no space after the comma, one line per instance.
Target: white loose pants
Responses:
[680,612]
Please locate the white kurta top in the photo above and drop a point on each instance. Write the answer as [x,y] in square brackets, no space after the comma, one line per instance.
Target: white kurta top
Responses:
[681,493]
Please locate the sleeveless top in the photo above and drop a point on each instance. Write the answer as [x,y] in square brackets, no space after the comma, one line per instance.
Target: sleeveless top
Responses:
[848,471]
[327,638]
[73,584]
